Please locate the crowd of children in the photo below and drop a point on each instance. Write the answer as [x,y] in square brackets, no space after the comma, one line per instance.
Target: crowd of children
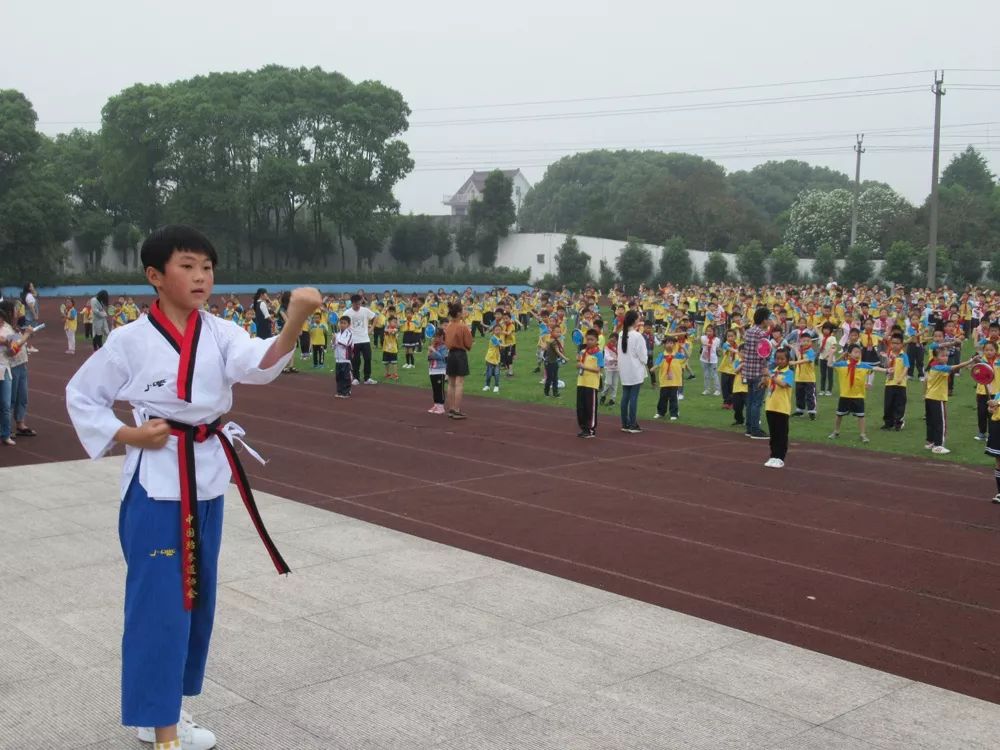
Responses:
[818,335]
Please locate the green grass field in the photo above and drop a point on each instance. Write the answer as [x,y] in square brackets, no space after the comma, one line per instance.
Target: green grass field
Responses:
[706,411]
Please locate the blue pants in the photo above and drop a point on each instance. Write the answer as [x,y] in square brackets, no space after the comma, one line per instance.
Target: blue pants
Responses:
[630,405]
[492,373]
[755,400]
[19,392]
[165,647]
[5,391]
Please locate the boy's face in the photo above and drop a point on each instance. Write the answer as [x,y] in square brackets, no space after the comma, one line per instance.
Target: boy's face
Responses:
[855,354]
[186,280]
[897,346]
[343,323]
[591,341]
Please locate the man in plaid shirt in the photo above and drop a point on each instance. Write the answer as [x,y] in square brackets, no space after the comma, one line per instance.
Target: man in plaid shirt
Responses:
[754,368]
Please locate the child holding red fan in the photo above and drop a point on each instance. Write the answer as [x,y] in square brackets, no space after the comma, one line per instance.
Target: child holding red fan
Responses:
[985,390]
[936,398]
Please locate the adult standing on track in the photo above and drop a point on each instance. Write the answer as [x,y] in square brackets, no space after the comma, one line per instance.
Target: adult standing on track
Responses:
[262,314]
[99,314]
[754,368]
[458,340]
[632,355]
[30,301]
[361,326]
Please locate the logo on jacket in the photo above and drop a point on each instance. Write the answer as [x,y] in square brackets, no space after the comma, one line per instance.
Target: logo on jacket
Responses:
[155,384]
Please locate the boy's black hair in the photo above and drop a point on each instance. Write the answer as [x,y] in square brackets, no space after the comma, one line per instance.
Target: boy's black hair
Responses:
[592,332]
[852,347]
[994,325]
[355,298]
[896,336]
[760,315]
[669,340]
[169,239]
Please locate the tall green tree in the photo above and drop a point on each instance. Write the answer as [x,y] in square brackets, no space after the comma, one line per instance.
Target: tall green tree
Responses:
[465,242]
[607,277]
[969,170]
[572,265]
[994,269]
[716,268]
[494,213]
[750,263]
[34,212]
[898,265]
[634,265]
[782,265]
[772,187]
[858,266]
[967,267]
[675,263]
[824,266]
[441,246]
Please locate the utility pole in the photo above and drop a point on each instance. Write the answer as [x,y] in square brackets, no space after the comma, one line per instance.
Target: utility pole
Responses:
[857,188]
[932,222]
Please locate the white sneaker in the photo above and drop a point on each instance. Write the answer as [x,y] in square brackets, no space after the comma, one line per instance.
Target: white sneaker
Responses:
[928,446]
[996,499]
[673,419]
[680,396]
[778,464]
[371,382]
[704,393]
[496,389]
[940,450]
[657,416]
[769,463]
[355,382]
[717,393]
[486,387]
[192,736]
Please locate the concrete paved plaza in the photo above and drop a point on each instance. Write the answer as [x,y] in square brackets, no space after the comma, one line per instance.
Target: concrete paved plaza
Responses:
[383,641]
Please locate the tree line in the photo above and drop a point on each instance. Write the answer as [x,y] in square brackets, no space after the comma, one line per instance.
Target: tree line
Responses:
[753,265]
[790,205]
[278,165]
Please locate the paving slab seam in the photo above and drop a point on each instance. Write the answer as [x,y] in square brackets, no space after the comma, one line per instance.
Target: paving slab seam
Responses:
[671,589]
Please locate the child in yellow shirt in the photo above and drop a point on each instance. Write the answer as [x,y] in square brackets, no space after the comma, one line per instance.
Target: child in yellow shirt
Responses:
[319,335]
[778,407]
[589,363]
[390,349]
[670,373]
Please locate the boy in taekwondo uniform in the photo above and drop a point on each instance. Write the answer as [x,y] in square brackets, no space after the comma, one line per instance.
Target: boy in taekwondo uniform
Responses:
[177,368]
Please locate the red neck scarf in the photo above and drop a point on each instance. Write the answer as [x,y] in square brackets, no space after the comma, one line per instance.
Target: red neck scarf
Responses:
[185,344]
[852,368]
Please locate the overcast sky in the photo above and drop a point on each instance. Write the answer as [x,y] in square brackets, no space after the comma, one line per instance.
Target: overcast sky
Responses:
[70,57]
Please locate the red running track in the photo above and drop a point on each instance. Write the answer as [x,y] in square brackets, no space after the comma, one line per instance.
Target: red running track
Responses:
[883,560]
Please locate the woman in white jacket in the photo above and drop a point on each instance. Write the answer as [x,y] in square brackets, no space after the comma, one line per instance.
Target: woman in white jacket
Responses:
[632,356]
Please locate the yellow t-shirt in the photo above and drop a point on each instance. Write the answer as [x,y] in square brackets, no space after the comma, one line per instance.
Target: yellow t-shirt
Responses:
[493,351]
[318,334]
[937,383]
[71,319]
[670,369]
[897,365]
[726,360]
[391,343]
[847,388]
[806,372]
[587,379]
[779,395]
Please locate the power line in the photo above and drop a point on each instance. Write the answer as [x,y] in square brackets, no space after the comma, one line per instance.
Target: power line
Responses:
[861,93]
[678,92]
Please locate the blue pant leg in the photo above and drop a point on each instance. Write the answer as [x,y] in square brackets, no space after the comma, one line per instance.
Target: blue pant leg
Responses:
[157,627]
[19,392]
[5,424]
[210,514]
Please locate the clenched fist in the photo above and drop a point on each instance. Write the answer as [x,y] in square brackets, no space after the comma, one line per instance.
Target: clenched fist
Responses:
[304,302]
[152,435]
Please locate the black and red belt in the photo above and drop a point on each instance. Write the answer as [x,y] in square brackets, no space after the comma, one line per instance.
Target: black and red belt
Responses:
[187,435]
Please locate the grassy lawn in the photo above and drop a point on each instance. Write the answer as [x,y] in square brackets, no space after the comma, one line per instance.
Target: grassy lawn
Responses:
[706,411]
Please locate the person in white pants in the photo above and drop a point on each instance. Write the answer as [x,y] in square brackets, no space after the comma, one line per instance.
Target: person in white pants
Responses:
[70,321]
[710,344]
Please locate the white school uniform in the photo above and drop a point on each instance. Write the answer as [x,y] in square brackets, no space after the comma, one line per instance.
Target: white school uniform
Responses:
[137,364]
